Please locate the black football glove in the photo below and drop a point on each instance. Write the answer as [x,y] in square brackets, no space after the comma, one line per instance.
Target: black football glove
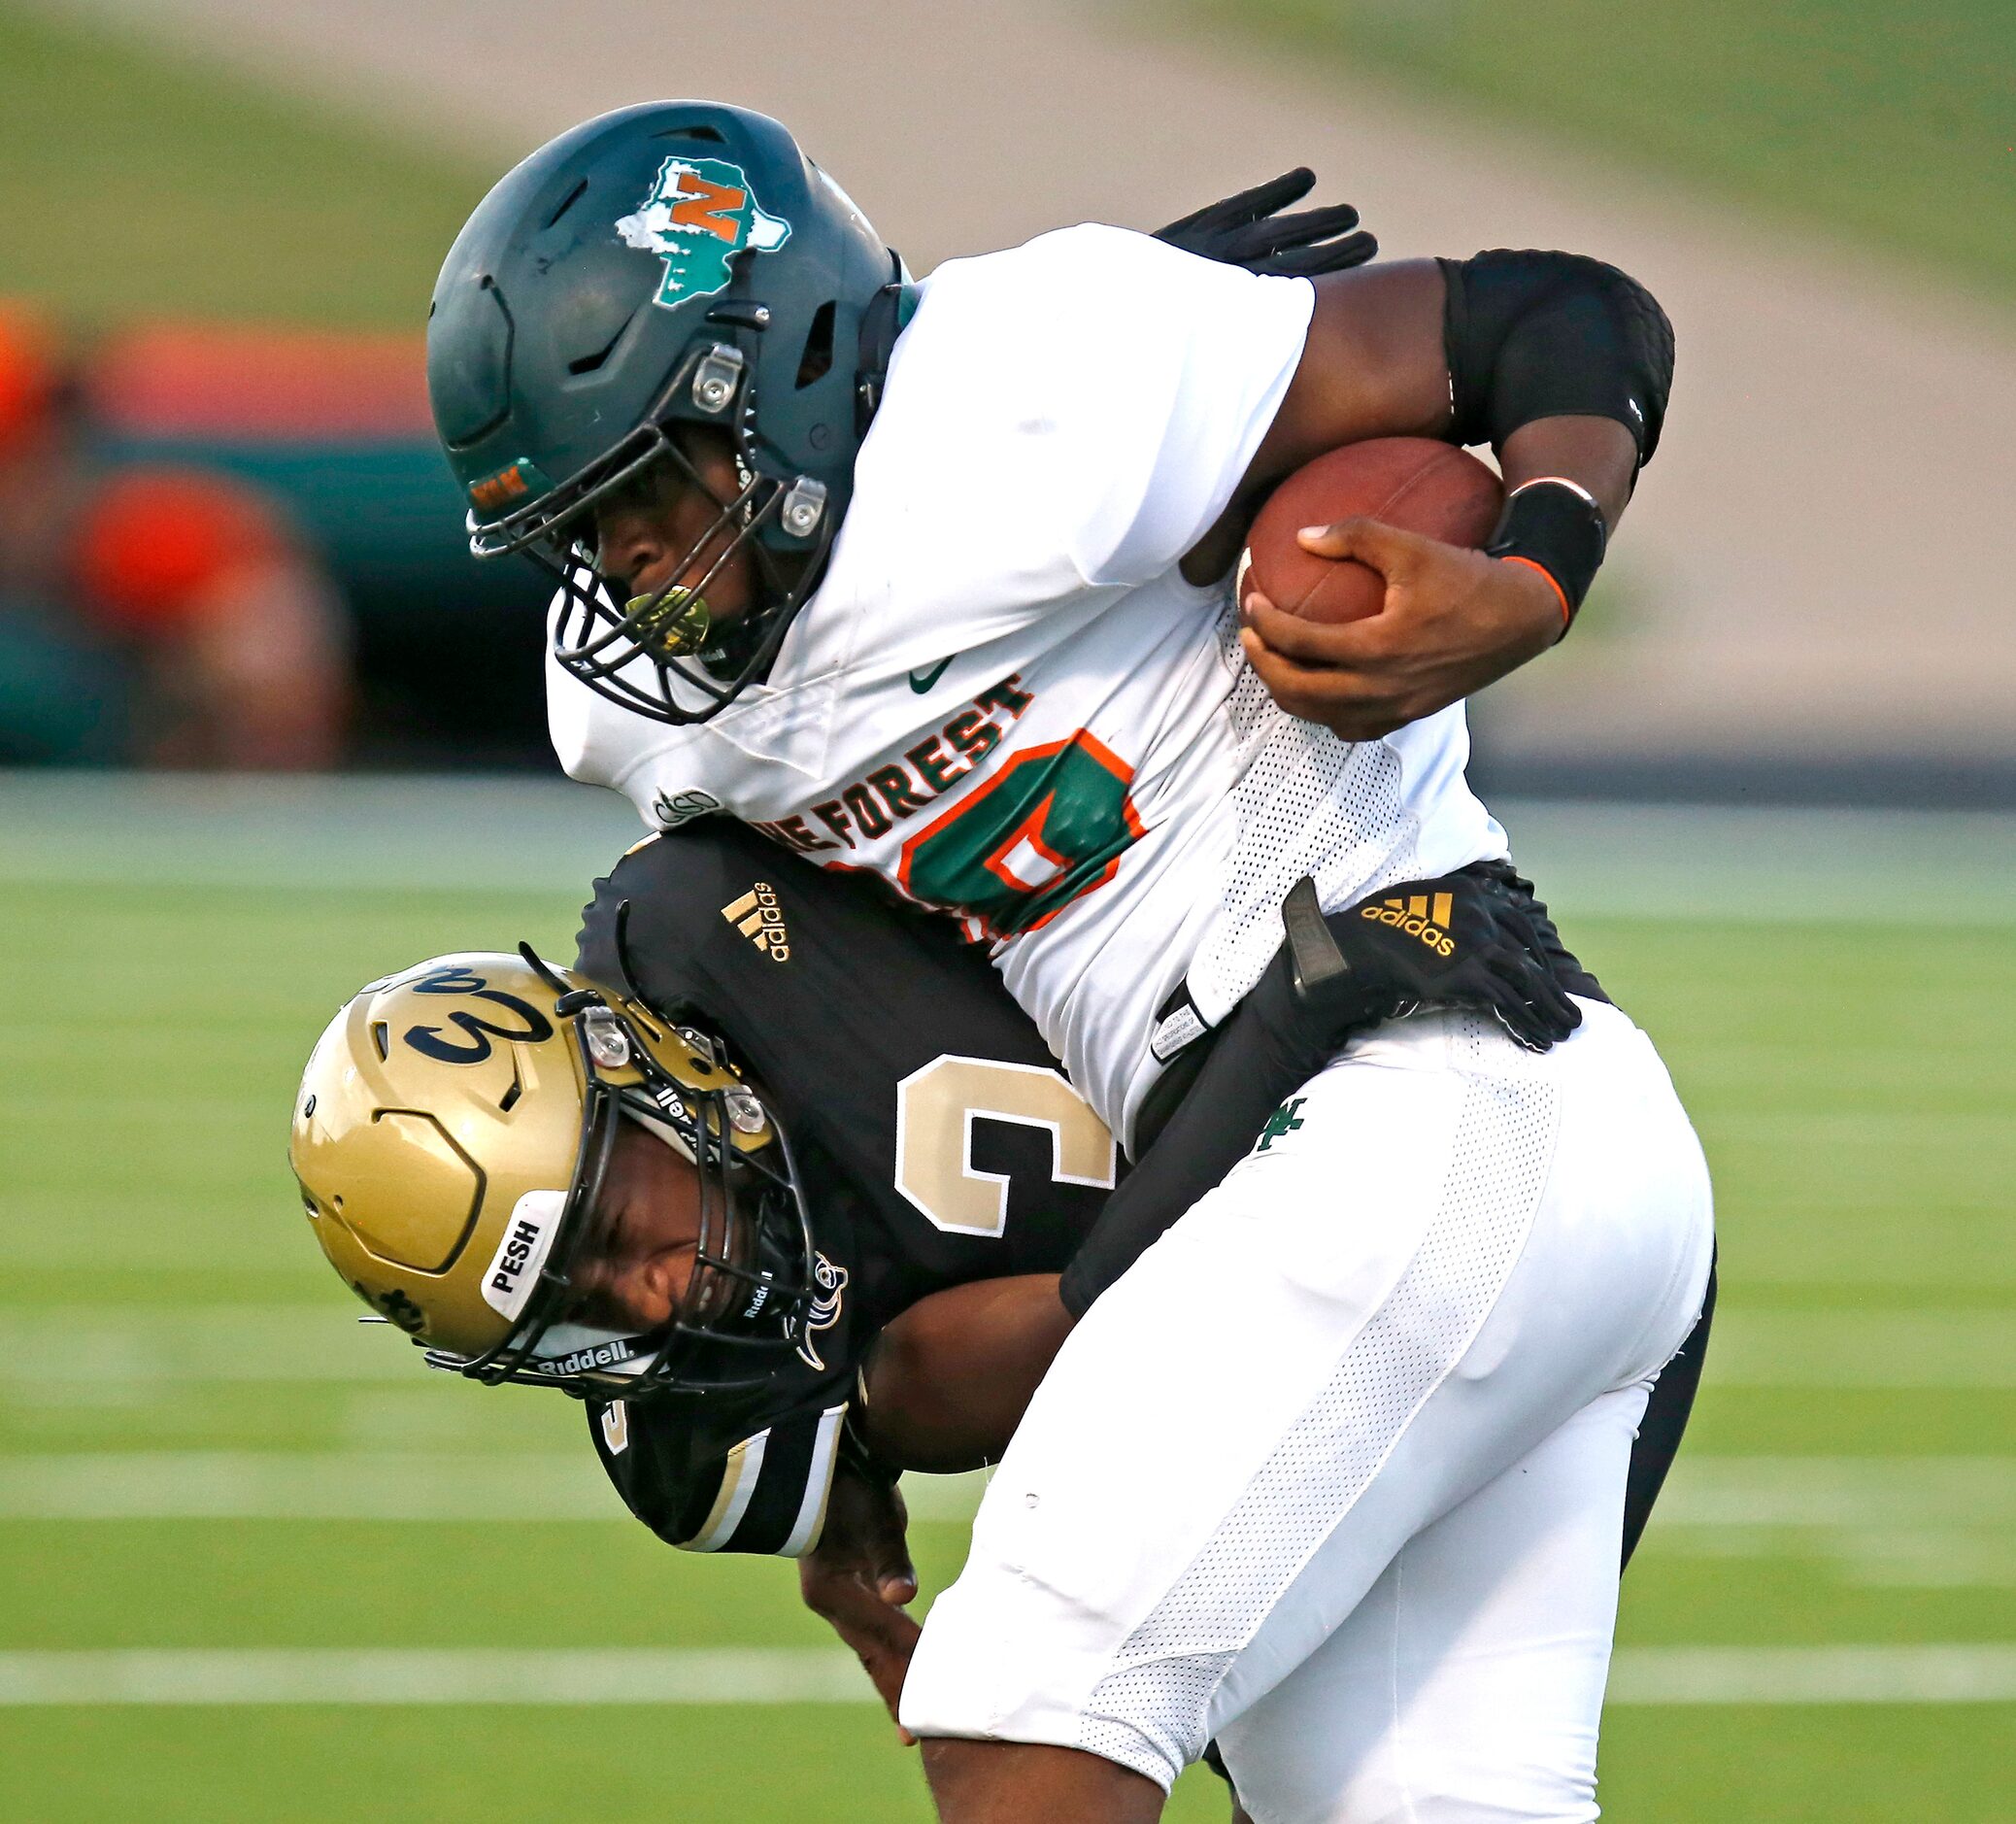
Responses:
[1249,231]
[1335,976]
[1458,940]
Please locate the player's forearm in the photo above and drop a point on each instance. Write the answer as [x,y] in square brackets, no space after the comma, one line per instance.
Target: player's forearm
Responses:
[946,1384]
[1595,454]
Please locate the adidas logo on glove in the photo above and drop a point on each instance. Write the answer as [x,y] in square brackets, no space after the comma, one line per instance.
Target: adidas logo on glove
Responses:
[1422,917]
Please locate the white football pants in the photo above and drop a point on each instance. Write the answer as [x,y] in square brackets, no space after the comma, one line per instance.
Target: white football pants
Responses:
[1336,1474]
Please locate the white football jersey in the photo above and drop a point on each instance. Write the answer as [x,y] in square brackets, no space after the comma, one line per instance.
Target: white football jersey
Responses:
[1005,700]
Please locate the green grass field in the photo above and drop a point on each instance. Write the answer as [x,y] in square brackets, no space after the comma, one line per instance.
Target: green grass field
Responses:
[136,184]
[199,1448]
[1887,123]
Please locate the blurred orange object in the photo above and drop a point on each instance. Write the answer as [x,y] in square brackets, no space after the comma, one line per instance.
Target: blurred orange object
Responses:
[245,382]
[31,370]
[156,546]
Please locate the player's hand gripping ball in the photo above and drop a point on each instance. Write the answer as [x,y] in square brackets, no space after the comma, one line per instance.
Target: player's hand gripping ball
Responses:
[1413,482]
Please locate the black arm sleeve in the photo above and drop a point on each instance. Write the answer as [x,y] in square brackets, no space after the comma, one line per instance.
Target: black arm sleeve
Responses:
[1534,335]
[1261,1054]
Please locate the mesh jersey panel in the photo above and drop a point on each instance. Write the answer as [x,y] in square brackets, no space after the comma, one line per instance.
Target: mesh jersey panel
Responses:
[1308,802]
[1154,1713]
[1169,1667]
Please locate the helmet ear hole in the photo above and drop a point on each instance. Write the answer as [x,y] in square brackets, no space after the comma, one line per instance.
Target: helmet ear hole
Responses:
[598,359]
[816,362]
[566,202]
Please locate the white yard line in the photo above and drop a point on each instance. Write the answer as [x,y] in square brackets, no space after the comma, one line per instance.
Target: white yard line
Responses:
[1871,1522]
[95,1345]
[275,1485]
[402,1676]
[418,834]
[434,1676]
[1876,1349]
[353,1485]
[1814,1675]
[1764,865]
[1707,1491]
[98,1346]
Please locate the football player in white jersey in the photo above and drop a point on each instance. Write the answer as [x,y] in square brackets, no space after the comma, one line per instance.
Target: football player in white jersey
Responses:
[931,583]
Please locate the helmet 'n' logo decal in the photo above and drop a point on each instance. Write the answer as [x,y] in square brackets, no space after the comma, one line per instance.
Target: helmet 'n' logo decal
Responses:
[699,213]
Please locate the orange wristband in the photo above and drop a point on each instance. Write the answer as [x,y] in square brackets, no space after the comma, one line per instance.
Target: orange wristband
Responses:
[1567,613]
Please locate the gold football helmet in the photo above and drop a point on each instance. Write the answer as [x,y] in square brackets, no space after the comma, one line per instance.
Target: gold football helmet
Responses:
[451,1136]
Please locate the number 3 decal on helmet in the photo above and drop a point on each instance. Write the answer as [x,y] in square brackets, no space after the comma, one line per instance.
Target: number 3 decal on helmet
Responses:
[453,1185]
[533,1026]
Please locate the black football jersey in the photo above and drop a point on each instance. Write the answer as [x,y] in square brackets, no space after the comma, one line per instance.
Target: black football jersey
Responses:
[937,1140]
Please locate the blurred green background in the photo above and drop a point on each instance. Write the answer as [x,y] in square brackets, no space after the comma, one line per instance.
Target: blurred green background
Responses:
[1888,124]
[137,183]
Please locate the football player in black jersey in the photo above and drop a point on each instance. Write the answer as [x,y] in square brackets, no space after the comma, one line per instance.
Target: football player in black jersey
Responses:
[967,1170]
[888,1289]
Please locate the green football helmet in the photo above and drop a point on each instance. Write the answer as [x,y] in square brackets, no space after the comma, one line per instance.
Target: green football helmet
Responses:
[677,263]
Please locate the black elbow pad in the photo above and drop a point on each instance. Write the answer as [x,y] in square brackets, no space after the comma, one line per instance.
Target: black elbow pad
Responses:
[1534,335]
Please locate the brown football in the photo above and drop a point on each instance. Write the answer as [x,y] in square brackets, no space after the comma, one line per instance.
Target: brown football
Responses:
[1414,483]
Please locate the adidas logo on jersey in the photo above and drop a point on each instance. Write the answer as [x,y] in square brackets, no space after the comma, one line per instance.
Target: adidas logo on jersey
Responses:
[760,917]
[1421,916]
